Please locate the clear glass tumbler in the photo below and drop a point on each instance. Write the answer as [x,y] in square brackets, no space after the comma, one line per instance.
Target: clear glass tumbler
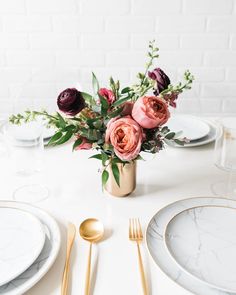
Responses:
[225,157]
[25,148]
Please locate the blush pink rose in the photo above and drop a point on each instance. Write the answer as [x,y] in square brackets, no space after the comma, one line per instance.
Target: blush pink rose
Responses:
[126,137]
[150,112]
[107,94]
[85,145]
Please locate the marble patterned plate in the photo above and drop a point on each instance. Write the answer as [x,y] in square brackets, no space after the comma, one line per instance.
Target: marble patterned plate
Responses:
[46,258]
[202,240]
[22,240]
[158,251]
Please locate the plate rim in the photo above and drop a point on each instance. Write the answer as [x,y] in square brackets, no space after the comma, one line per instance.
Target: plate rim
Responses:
[149,251]
[29,283]
[178,263]
[39,250]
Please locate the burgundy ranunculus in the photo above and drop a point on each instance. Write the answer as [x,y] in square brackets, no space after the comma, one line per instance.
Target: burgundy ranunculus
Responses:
[171,98]
[162,80]
[70,101]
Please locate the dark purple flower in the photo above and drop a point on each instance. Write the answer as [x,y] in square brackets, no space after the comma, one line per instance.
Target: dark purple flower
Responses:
[70,101]
[162,80]
[171,98]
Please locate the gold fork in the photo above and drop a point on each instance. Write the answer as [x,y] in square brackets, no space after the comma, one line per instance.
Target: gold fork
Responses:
[136,235]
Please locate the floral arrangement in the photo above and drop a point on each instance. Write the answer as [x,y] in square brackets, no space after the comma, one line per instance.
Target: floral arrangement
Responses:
[118,123]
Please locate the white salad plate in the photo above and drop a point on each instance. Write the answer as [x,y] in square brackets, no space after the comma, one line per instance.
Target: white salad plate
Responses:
[155,238]
[202,240]
[46,258]
[192,128]
[22,240]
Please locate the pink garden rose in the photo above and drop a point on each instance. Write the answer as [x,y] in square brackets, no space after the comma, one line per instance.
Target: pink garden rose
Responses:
[150,112]
[85,145]
[107,94]
[126,137]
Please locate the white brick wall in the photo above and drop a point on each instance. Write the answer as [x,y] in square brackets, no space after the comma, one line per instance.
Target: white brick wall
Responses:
[110,37]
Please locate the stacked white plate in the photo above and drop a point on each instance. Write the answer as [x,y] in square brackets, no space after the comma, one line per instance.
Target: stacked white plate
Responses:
[196,130]
[29,245]
[194,242]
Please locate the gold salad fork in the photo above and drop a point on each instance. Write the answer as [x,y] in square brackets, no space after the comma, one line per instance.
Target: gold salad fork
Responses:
[136,235]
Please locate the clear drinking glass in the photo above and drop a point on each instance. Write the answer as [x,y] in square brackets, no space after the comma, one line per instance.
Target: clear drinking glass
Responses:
[225,157]
[25,149]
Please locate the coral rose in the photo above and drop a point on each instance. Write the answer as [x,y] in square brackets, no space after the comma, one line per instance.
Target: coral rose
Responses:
[126,137]
[150,112]
[107,94]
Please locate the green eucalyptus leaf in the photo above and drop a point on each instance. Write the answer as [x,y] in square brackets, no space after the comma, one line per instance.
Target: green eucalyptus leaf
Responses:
[165,129]
[179,142]
[95,83]
[170,135]
[104,159]
[104,105]
[69,128]
[98,157]
[105,176]
[88,98]
[112,84]
[120,101]
[125,90]
[64,138]
[62,122]
[77,143]
[55,137]
[116,173]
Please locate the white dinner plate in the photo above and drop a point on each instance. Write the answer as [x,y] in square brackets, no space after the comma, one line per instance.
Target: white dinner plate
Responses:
[47,256]
[204,245]
[162,258]
[210,137]
[22,240]
[192,127]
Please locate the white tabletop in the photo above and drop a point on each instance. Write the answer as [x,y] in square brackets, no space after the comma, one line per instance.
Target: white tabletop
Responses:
[75,194]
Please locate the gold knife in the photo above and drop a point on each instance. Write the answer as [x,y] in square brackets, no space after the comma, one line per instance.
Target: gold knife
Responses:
[71,232]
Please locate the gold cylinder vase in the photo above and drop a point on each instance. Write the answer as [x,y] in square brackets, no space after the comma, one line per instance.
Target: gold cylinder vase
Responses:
[127,180]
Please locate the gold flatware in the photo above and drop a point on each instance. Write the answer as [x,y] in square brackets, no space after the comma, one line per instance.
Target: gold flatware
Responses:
[136,235]
[71,232]
[91,230]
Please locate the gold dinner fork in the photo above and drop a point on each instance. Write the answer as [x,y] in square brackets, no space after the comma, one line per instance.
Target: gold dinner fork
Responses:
[136,235]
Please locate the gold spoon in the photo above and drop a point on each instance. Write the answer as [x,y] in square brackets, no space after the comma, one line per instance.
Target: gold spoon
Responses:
[91,230]
[71,232]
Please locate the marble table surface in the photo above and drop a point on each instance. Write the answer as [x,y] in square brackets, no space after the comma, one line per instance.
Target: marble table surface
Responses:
[75,194]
